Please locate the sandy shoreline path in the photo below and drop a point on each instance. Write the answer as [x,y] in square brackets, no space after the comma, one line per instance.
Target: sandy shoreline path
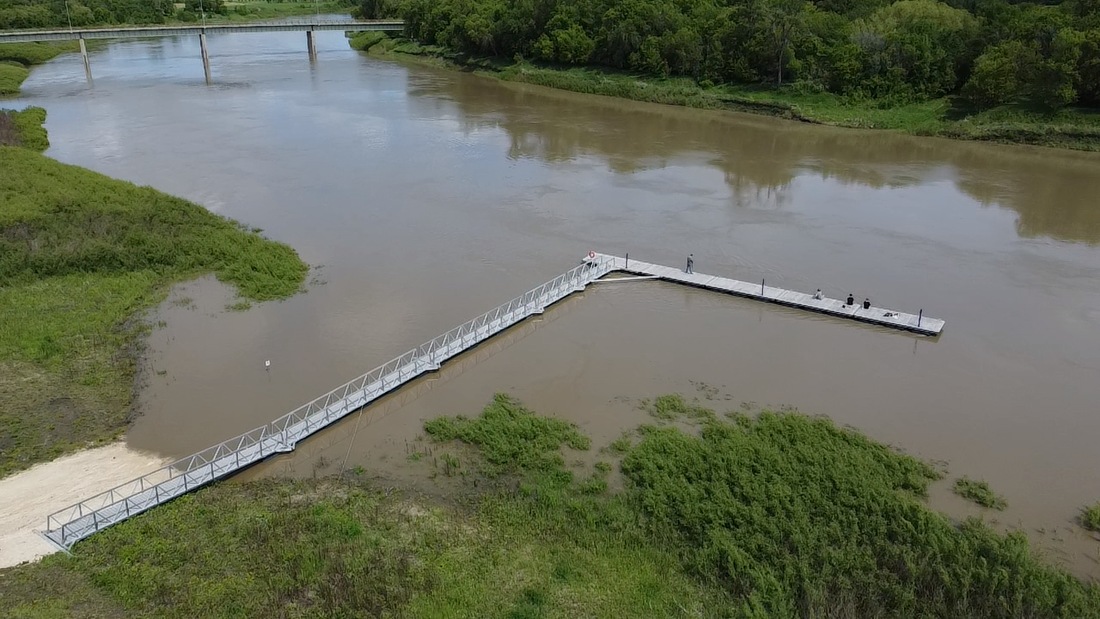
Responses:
[30,496]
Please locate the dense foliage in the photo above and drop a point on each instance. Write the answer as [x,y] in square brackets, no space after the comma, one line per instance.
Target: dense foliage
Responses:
[795,517]
[991,51]
[57,13]
[778,516]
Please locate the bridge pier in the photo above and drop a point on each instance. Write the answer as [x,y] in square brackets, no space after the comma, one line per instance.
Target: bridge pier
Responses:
[87,64]
[311,44]
[205,57]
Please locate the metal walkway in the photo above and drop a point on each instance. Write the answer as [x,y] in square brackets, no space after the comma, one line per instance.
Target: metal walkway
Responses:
[72,524]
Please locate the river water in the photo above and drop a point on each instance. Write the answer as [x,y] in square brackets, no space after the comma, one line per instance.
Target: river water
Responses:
[431,196]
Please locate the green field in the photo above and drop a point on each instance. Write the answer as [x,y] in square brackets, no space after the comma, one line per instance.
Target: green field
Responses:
[778,515]
[81,257]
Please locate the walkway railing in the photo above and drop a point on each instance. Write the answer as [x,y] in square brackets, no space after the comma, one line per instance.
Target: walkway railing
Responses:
[74,523]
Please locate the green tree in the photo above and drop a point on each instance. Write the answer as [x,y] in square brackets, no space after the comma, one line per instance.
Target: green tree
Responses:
[783,21]
[1088,68]
[206,6]
[1055,81]
[999,74]
[572,45]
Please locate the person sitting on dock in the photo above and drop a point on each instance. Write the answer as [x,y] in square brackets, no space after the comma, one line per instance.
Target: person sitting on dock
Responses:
[866,304]
[851,300]
[818,296]
[691,263]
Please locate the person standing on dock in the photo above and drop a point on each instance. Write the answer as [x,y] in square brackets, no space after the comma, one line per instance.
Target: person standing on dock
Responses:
[691,263]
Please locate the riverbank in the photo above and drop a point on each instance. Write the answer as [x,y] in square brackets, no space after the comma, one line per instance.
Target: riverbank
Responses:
[718,515]
[1069,128]
[16,60]
[83,256]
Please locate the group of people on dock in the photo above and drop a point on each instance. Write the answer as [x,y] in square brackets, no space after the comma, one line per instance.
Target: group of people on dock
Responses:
[818,296]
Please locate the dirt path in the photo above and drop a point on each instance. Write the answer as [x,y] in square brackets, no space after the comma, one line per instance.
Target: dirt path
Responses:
[28,497]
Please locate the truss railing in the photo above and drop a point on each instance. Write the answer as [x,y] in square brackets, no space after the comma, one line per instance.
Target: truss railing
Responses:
[76,522]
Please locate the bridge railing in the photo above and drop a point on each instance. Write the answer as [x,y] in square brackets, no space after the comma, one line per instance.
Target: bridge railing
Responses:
[76,522]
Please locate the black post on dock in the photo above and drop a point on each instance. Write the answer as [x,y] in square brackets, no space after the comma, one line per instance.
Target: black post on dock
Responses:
[919,316]
[761,287]
[627,260]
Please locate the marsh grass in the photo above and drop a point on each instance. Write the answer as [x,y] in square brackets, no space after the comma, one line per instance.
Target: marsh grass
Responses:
[510,437]
[16,59]
[29,54]
[673,407]
[80,256]
[979,492]
[778,515]
[11,78]
[24,128]
[1090,517]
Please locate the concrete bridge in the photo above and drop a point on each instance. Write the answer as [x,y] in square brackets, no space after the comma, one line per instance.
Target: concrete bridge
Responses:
[145,32]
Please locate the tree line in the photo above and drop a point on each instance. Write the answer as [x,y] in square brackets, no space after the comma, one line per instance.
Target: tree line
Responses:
[82,13]
[991,52]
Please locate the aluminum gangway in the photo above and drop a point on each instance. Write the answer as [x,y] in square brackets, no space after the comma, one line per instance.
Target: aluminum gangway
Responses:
[72,524]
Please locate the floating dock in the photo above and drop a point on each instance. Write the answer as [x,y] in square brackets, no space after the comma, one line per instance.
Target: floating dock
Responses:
[72,524]
[916,323]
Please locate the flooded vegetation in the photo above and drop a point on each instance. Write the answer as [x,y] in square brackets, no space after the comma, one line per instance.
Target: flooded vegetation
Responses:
[735,516]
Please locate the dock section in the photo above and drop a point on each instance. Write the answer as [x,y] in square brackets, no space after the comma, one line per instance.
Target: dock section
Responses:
[916,323]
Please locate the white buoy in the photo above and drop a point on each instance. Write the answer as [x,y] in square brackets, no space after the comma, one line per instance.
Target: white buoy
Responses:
[267,364]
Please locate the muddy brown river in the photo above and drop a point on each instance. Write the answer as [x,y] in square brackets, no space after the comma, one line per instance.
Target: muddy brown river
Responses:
[430,197]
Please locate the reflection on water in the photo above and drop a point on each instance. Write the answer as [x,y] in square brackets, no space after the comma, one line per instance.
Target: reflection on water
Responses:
[1054,192]
[432,196]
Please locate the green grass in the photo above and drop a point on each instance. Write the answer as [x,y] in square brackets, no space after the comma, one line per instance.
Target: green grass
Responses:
[29,54]
[1069,128]
[622,444]
[672,407]
[979,492]
[11,78]
[1090,517]
[364,41]
[779,515]
[24,128]
[511,437]
[17,58]
[81,255]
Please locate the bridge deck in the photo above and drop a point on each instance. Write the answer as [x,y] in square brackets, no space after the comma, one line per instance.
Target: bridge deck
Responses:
[74,523]
[142,32]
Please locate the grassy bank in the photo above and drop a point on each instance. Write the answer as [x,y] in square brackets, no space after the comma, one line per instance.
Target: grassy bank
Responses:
[16,59]
[81,256]
[780,515]
[1074,129]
